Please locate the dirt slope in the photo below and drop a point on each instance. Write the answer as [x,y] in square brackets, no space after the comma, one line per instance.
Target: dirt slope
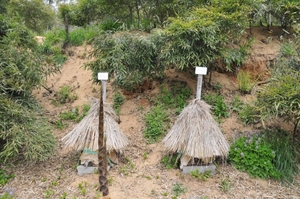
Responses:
[147,179]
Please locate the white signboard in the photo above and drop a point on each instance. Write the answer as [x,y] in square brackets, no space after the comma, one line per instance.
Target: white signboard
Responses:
[102,76]
[201,70]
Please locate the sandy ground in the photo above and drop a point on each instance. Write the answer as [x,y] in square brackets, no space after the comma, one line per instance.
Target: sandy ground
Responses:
[145,178]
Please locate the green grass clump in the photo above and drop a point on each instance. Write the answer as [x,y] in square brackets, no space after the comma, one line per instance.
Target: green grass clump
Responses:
[156,123]
[118,99]
[64,95]
[244,82]
[286,155]
[219,107]
[176,96]
[5,177]
[170,162]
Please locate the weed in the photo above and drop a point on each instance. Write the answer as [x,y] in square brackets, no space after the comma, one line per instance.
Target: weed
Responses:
[69,115]
[5,177]
[48,193]
[156,123]
[64,95]
[204,197]
[145,155]
[244,82]
[219,107]
[6,196]
[118,99]
[110,180]
[202,176]
[63,196]
[286,155]
[153,192]
[169,161]
[248,114]
[44,179]
[178,189]
[165,194]
[85,110]
[226,185]
[174,97]
[54,183]
[237,104]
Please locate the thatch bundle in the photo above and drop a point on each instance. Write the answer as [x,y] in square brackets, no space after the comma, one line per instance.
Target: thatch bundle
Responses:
[196,134]
[85,134]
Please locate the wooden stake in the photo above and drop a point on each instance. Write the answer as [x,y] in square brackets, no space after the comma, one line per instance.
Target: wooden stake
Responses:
[102,158]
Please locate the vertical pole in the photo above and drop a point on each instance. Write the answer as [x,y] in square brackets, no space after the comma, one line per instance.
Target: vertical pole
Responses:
[102,167]
[104,90]
[199,87]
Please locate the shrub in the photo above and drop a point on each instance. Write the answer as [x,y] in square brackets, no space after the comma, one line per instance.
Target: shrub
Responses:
[130,58]
[253,154]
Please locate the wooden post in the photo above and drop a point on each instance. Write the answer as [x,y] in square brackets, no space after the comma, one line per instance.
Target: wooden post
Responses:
[102,156]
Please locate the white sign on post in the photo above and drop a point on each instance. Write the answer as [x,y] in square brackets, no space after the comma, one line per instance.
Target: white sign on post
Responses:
[102,76]
[201,70]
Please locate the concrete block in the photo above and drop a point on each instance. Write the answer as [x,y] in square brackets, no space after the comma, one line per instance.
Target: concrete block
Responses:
[201,169]
[81,169]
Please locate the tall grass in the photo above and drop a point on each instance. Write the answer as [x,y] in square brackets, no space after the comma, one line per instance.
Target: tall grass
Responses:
[286,156]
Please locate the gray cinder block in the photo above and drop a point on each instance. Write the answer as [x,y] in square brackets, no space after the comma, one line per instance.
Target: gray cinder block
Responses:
[201,169]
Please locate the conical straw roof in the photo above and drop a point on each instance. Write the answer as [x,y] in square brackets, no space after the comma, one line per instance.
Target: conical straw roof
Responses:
[85,134]
[196,133]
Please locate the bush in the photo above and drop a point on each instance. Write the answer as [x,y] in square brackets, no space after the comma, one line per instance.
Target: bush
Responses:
[253,154]
[131,58]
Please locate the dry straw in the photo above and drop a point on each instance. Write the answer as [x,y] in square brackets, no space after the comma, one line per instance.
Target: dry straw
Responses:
[85,134]
[196,133]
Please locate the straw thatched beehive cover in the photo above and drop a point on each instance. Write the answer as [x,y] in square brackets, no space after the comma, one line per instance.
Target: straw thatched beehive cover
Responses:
[196,133]
[85,134]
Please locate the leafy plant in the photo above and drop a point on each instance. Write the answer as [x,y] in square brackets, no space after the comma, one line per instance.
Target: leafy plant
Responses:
[69,115]
[49,193]
[244,81]
[5,177]
[65,95]
[156,123]
[219,107]
[286,157]
[253,154]
[248,114]
[237,104]
[226,185]
[130,57]
[202,176]
[170,161]
[178,189]
[175,96]
[118,99]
